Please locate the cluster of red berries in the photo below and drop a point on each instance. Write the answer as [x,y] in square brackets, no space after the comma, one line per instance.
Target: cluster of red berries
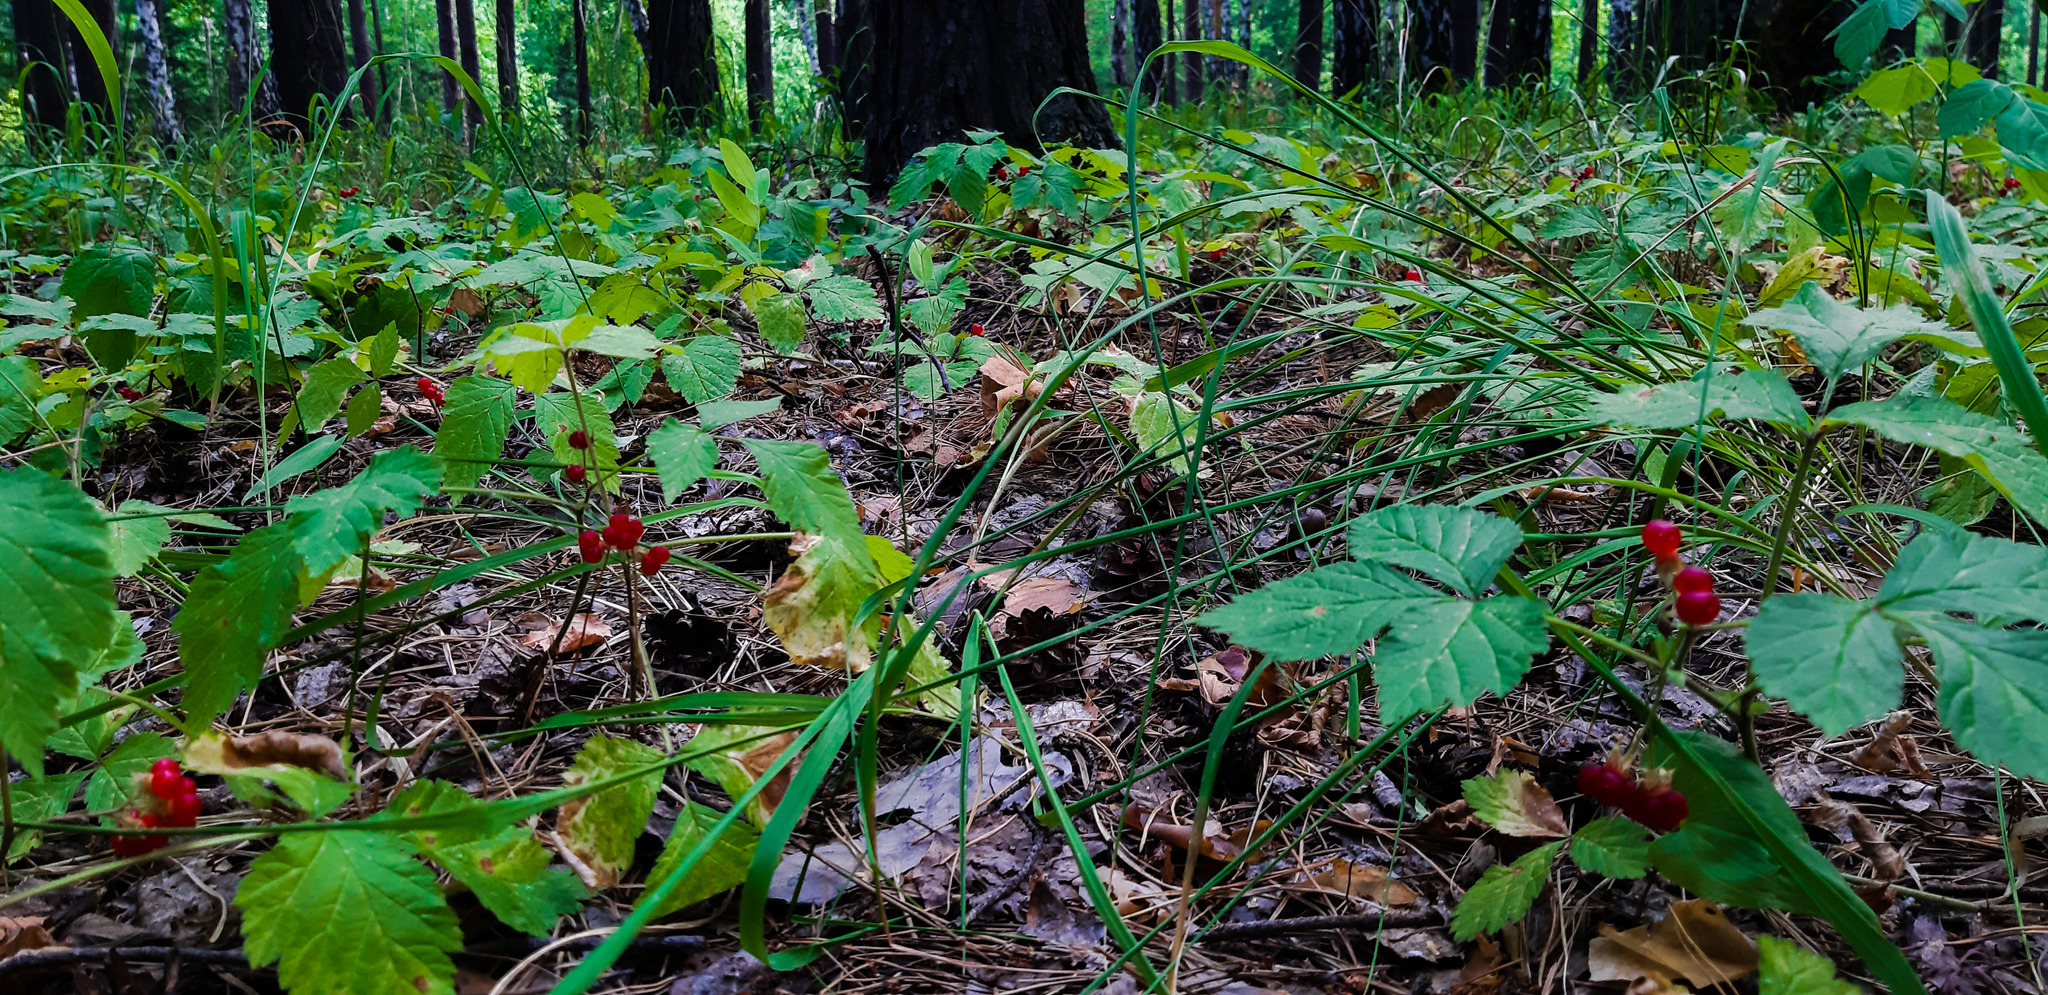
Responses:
[576,472]
[176,797]
[347,192]
[622,533]
[1655,804]
[128,393]
[2012,183]
[1584,175]
[432,391]
[1696,604]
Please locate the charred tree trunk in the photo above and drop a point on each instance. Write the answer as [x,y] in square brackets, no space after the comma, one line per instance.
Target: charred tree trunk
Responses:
[1192,64]
[1518,43]
[1146,37]
[682,73]
[306,55]
[465,42]
[1443,42]
[760,62]
[85,73]
[1589,39]
[156,75]
[1308,43]
[828,39]
[580,39]
[507,25]
[359,38]
[1120,42]
[1983,43]
[41,48]
[1624,54]
[444,21]
[923,95]
[1354,48]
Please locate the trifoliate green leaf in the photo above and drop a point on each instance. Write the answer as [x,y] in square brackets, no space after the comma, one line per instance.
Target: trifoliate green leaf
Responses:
[601,828]
[1761,395]
[348,913]
[333,524]
[1990,445]
[1994,691]
[1613,847]
[1462,548]
[1832,659]
[1840,338]
[1323,612]
[110,279]
[475,419]
[721,869]
[1456,650]
[707,368]
[683,454]
[326,384]
[1503,894]
[1950,570]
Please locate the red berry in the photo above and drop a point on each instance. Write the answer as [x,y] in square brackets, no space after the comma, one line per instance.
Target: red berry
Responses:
[976,330]
[1604,783]
[166,783]
[1661,809]
[579,439]
[431,391]
[1698,607]
[1692,579]
[1022,171]
[591,545]
[1002,172]
[1662,538]
[1215,254]
[185,809]
[1414,275]
[128,393]
[166,764]
[2012,183]
[624,531]
[574,472]
[347,192]
[1586,173]
[651,562]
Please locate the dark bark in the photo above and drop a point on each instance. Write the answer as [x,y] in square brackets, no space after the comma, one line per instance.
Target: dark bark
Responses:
[579,38]
[39,46]
[1518,43]
[1589,39]
[1624,69]
[1354,48]
[507,29]
[1443,42]
[856,35]
[1192,64]
[2034,48]
[156,74]
[465,43]
[359,38]
[377,34]
[1897,45]
[85,73]
[1120,42]
[1308,43]
[1146,37]
[306,55]
[682,73]
[444,22]
[760,62]
[1790,54]
[1983,44]
[923,94]
[245,61]
[828,39]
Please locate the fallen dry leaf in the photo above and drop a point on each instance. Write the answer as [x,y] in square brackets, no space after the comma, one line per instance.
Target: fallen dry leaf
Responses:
[1695,941]
[583,631]
[1891,749]
[1061,597]
[1847,821]
[1360,882]
[1004,383]
[23,933]
[1526,808]
[1216,844]
[215,754]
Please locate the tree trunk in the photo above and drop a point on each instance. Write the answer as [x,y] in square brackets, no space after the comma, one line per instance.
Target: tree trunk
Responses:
[244,62]
[156,75]
[1146,38]
[41,49]
[1789,52]
[1443,42]
[1191,64]
[828,39]
[465,42]
[807,32]
[923,94]
[1987,31]
[1897,45]
[85,73]
[856,36]
[2034,49]
[444,22]
[1518,43]
[579,32]
[760,62]
[1120,43]
[377,36]
[507,24]
[306,55]
[682,73]
[359,37]
[1624,58]
[1354,48]
[1308,43]
[1589,39]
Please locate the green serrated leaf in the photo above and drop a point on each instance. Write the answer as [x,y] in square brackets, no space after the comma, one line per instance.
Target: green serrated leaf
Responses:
[780,317]
[1461,547]
[1762,395]
[601,828]
[1456,650]
[683,454]
[722,869]
[326,384]
[1950,570]
[383,349]
[1840,338]
[113,782]
[305,459]
[110,279]
[804,491]
[1512,802]
[844,298]
[331,525]
[235,613]
[475,420]
[1718,852]
[1503,894]
[363,410]
[348,913]
[1786,968]
[40,800]
[510,874]
[57,577]
[557,415]
[1324,612]
[1990,445]
[1994,691]
[136,541]
[708,368]
[715,415]
[1612,846]
[1832,659]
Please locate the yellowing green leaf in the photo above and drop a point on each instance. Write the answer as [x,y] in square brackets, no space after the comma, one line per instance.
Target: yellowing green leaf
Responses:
[601,828]
[1511,801]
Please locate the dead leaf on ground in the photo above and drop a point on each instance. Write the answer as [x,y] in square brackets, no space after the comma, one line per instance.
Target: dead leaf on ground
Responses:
[1004,383]
[215,754]
[1695,942]
[1223,673]
[1455,819]
[1892,749]
[1527,808]
[1848,822]
[1216,844]
[1053,594]
[467,301]
[23,933]
[1481,971]
[583,631]
[1360,882]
